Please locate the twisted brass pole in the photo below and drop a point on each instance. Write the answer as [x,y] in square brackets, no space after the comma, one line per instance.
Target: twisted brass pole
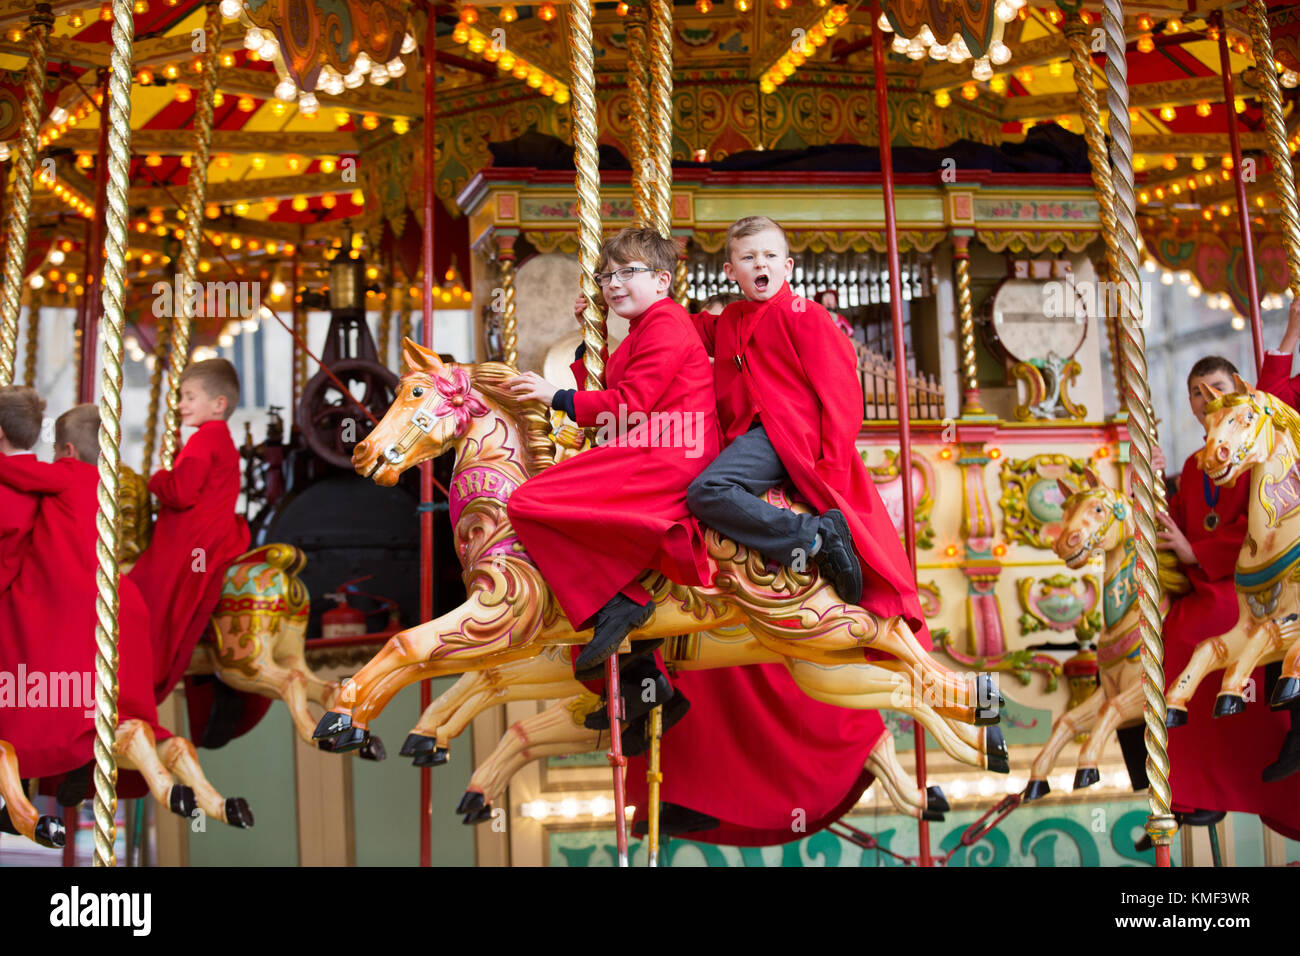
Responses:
[660,116]
[1275,136]
[682,277]
[195,197]
[33,337]
[113,290]
[1160,823]
[1076,34]
[509,314]
[155,395]
[385,331]
[20,196]
[643,172]
[586,159]
[404,324]
[966,326]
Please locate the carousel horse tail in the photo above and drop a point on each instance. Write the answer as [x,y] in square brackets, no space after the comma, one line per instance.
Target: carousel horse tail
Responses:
[1172,580]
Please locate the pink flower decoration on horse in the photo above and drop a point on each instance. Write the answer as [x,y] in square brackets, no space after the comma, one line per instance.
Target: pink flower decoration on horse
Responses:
[457,400]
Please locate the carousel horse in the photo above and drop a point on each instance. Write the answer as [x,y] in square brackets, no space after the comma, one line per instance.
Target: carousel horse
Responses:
[558,731]
[255,641]
[1252,431]
[1098,521]
[510,613]
[17,815]
[549,676]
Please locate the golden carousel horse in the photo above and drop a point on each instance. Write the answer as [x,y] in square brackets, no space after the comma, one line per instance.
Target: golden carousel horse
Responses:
[1252,431]
[1098,521]
[510,613]
[558,731]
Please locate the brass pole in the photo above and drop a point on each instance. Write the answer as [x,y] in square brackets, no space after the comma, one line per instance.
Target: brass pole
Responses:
[509,313]
[966,322]
[113,291]
[196,195]
[385,331]
[660,113]
[643,165]
[1279,152]
[11,291]
[35,300]
[654,777]
[1160,824]
[155,395]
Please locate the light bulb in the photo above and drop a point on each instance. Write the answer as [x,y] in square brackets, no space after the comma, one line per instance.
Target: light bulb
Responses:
[308,104]
[379,74]
[253,38]
[884,24]
[396,67]
[286,90]
[982,71]
[999,53]
[363,62]
[408,45]
[230,9]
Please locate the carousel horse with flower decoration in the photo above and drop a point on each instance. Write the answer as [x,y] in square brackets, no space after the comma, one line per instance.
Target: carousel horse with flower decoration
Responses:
[1249,431]
[510,614]
[558,731]
[1098,521]
[549,675]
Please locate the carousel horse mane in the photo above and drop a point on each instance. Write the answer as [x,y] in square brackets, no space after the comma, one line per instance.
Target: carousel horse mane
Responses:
[539,447]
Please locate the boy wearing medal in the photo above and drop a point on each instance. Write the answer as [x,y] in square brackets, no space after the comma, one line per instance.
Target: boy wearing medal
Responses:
[1216,763]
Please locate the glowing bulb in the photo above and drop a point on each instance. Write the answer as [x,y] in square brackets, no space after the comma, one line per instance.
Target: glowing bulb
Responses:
[286,90]
[230,8]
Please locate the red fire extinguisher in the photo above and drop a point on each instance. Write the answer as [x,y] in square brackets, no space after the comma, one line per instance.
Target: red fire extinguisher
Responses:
[344,620]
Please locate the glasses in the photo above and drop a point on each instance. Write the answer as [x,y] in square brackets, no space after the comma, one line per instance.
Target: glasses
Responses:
[624,275]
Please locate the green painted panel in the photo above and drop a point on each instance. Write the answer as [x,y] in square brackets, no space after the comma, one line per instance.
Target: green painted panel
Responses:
[258,767]
[386,795]
[863,206]
[1076,835]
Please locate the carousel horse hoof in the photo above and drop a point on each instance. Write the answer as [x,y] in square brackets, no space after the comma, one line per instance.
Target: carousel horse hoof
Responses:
[1288,759]
[75,786]
[1085,777]
[434,758]
[1144,844]
[988,701]
[417,744]
[995,751]
[332,724]
[373,749]
[471,801]
[1225,705]
[935,800]
[932,816]
[1200,818]
[354,738]
[1285,691]
[1036,790]
[182,802]
[1175,717]
[49,833]
[238,813]
[480,815]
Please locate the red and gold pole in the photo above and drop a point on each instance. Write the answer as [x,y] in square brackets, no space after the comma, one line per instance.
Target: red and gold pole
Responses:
[900,356]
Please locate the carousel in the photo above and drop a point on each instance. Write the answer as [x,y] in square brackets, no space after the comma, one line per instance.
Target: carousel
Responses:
[381,213]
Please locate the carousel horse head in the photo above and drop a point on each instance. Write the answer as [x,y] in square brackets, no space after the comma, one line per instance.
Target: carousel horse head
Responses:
[1092,521]
[438,405]
[1240,430]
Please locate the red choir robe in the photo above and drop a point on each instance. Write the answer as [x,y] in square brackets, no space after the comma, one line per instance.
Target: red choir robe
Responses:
[784,361]
[594,522]
[17,517]
[196,538]
[47,622]
[1275,378]
[1215,762]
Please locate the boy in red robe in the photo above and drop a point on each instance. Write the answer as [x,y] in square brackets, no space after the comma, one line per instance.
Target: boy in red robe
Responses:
[21,414]
[790,406]
[1215,764]
[596,521]
[47,614]
[198,533]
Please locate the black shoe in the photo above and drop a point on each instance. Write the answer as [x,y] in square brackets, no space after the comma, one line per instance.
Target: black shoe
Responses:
[675,820]
[1288,759]
[636,735]
[619,617]
[836,560]
[632,678]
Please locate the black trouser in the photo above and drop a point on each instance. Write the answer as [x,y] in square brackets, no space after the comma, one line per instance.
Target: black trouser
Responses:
[727,496]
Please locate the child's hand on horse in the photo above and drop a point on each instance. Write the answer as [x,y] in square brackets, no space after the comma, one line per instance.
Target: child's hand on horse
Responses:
[1173,538]
[531,385]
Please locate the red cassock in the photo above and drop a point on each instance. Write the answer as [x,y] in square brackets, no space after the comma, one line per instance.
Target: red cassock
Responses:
[47,623]
[1215,762]
[17,517]
[593,523]
[1275,378]
[754,749]
[784,361]
[196,538]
